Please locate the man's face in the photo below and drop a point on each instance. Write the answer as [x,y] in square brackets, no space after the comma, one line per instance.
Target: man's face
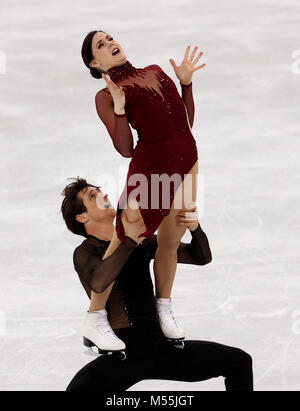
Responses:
[97,204]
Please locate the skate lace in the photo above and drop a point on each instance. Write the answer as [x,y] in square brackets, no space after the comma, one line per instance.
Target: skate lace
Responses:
[168,317]
[104,328]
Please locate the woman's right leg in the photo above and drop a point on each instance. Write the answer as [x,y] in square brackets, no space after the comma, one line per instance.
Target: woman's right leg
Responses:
[98,300]
[133,214]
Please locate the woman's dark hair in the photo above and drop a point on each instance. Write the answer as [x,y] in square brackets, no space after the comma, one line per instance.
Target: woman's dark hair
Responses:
[72,205]
[87,54]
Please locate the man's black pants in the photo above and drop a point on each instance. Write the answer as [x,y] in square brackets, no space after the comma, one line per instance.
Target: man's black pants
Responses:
[197,361]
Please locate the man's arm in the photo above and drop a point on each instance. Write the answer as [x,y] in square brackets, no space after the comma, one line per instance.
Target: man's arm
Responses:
[97,273]
[196,252]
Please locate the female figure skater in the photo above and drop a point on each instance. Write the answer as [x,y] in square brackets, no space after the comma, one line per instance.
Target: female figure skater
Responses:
[148,99]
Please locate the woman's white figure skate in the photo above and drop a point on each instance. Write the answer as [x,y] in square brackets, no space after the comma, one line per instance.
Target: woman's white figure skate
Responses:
[168,324]
[98,333]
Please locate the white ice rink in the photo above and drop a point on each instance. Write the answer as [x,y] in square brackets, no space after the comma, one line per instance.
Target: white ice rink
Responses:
[247,128]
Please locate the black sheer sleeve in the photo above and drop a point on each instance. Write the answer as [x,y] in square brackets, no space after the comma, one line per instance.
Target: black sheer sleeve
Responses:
[97,273]
[187,97]
[117,124]
[196,252]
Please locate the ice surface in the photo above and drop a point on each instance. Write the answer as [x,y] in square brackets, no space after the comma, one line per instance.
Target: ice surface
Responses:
[247,130]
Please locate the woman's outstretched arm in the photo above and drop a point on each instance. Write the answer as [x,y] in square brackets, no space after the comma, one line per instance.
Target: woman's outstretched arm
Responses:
[116,124]
[184,73]
[187,97]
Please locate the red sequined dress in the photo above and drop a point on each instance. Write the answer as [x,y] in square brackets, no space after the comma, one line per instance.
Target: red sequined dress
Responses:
[163,121]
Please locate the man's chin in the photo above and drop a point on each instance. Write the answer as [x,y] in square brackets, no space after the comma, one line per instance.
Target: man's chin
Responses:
[112,211]
[108,213]
[108,210]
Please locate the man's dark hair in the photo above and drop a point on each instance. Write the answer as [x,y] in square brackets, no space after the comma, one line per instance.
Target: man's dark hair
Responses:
[73,205]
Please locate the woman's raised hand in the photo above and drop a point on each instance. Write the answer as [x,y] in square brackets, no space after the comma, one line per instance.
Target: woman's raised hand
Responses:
[116,92]
[185,71]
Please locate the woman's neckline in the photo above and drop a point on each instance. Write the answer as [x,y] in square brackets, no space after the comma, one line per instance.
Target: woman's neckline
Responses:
[119,72]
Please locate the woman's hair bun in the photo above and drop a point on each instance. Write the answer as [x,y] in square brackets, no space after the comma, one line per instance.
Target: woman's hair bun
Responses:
[96,73]
[87,55]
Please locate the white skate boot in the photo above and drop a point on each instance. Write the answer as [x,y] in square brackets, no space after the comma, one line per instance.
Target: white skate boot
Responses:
[98,333]
[168,324]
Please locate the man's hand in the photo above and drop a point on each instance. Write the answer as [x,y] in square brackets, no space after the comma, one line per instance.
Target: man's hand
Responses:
[188,218]
[133,230]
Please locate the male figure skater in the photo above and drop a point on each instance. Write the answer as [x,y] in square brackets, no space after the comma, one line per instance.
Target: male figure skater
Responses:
[131,306]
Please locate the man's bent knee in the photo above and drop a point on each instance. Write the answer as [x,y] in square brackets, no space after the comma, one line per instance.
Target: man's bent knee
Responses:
[243,357]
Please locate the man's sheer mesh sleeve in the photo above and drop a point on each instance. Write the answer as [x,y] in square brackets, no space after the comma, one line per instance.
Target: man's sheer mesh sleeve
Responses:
[196,252]
[117,124]
[97,273]
[187,97]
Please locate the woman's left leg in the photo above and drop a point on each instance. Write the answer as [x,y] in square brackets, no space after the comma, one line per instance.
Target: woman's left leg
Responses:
[170,233]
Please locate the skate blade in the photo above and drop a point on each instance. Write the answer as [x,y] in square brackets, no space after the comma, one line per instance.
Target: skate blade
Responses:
[120,354]
[175,340]
[112,354]
[90,351]
[181,345]
[178,343]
